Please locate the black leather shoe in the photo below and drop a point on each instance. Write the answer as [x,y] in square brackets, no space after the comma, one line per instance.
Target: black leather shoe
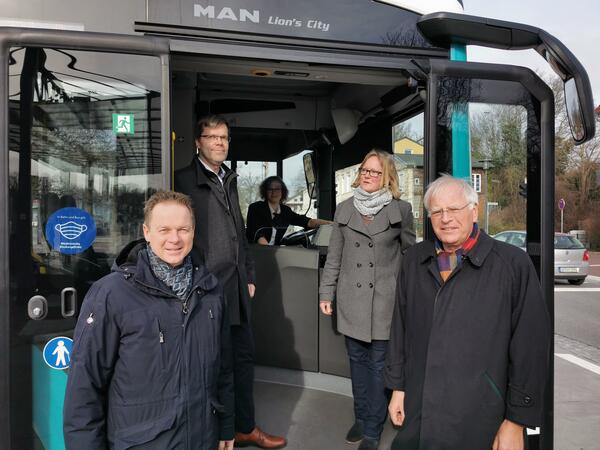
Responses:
[368,444]
[355,433]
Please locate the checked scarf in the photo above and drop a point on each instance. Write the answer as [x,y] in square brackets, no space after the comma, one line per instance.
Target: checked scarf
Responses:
[179,279]
[448,261]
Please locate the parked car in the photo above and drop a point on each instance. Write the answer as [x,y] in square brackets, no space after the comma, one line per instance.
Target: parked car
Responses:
[571,259]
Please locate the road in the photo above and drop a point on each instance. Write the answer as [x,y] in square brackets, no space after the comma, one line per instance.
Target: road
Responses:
[577,365]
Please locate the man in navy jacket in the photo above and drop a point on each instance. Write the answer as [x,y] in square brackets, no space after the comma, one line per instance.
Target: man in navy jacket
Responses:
[151,365]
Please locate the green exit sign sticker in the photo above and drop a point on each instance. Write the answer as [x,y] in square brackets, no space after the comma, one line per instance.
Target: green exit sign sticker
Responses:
[123,123]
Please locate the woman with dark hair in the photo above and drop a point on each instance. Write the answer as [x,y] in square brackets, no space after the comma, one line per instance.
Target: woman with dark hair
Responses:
[269,218]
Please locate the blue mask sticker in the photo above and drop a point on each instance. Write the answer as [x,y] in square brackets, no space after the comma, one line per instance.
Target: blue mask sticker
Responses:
[70,230]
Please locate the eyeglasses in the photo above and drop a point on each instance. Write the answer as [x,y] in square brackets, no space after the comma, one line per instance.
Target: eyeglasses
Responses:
[451,211]
[215,138]
[370,172]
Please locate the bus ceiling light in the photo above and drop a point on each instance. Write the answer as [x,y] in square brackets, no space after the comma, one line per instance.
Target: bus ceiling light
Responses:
[421,7]
[262,72]
[346,123]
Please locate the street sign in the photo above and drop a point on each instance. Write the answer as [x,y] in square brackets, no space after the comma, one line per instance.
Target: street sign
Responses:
[562,204]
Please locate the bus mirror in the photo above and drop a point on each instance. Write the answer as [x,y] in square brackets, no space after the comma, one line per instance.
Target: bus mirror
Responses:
[444,29]
[574,112]
[309,174]
[346,123]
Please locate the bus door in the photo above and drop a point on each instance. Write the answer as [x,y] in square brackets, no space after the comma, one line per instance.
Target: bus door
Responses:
[85,141]
[457,91]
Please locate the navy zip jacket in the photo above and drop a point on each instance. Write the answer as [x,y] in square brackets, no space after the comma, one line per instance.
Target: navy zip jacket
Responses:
[144,372]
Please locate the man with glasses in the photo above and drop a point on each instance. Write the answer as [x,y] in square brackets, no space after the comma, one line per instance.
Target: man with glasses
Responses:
[468,355]
[220,236]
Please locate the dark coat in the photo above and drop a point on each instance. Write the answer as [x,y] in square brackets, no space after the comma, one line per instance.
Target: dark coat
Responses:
[220,233]
[259,222]
[363,262]
[470,352]
[144,374]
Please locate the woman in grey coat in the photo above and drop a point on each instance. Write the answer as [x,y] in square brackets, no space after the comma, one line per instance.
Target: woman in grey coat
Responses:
[370,231]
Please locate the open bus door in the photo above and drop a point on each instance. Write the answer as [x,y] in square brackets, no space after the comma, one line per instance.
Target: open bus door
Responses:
[455,87]
[84,134]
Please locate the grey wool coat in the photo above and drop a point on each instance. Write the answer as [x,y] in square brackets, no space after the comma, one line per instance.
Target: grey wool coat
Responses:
[363,262]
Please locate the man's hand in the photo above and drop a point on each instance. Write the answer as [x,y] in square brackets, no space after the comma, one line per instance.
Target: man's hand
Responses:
[226,445]
[396,408]
[326,307]
[251,290]
[509,437]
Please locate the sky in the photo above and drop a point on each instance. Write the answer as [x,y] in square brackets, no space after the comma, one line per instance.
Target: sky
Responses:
[575,22]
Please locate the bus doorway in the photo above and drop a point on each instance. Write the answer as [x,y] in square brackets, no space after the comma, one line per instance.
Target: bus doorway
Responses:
[84,150]
[279,111]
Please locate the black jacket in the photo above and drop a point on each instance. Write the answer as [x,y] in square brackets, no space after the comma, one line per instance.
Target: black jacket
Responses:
[220,233]
[144,374]
[469,352]
[260,223]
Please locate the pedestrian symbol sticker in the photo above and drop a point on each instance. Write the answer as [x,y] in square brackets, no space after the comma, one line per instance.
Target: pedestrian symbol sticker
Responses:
[123,123]
[57,352]
[70,230]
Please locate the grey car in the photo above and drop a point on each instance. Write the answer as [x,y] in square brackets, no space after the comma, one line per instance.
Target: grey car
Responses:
[571,259]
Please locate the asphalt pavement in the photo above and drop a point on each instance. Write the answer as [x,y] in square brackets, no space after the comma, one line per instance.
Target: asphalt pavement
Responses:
[577,364]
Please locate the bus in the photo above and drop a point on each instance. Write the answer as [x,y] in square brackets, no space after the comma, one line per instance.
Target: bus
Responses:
[98,106]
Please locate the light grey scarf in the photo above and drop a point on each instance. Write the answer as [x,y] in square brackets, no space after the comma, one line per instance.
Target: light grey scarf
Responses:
[369,204]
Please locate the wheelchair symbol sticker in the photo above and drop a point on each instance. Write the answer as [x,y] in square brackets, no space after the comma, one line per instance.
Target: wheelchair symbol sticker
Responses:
[57,352]
[70,230]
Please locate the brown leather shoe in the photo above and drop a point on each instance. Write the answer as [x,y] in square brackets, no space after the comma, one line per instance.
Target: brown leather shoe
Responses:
[259,438]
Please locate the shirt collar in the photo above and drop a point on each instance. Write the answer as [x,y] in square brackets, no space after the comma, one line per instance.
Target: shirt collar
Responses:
[274,211]
[220,174]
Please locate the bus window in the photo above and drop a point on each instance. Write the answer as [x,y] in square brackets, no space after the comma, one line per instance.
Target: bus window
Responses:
[250,175]
[408,136]
[499,164]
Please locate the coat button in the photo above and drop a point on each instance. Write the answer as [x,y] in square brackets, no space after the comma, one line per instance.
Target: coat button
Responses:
[370,244]
[356,244]
[370,264]
[358,285]
[359,265]
[527,400]
[371,285]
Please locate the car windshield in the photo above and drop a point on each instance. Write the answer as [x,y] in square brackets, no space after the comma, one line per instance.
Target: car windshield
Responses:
[564,242]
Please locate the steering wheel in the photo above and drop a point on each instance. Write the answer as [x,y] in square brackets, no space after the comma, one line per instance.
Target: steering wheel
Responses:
[298,237]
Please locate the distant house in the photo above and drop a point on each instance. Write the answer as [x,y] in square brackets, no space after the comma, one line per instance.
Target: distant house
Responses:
[407,146]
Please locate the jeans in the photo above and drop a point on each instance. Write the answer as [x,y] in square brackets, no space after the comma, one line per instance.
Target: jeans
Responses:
[367,361]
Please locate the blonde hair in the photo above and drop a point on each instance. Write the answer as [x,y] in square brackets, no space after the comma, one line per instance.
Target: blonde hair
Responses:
[167,197]
[389,177]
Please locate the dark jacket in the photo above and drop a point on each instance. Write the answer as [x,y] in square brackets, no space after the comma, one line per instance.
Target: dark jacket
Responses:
[362,266]
[469,352]
[144,374]
[220,233]
[259,222]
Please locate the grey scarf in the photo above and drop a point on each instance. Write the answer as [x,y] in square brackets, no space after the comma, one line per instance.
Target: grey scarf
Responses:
[369,204]
[179,279]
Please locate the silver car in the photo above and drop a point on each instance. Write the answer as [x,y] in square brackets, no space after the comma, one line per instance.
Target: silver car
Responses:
[571,259]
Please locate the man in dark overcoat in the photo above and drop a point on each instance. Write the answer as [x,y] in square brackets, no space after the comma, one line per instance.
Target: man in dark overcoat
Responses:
[220,237]
[469,348]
